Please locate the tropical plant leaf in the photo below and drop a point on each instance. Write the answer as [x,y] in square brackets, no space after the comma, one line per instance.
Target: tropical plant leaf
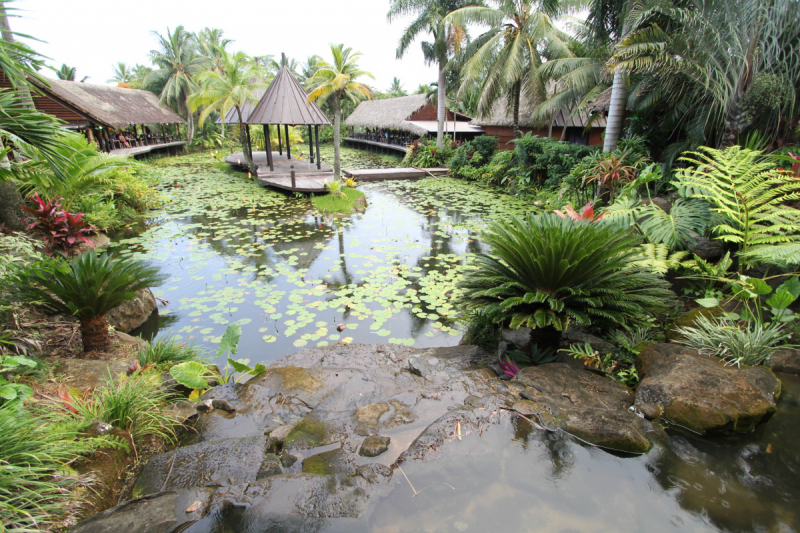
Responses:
[190,374]
[230,340]
[687,220]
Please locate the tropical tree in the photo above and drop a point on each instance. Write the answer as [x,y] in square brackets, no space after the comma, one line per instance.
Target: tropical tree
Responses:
[210,46]
[233,85]
[66,73]
[336,83]
[88,287]
[308,69]
[123,75]
[724,66]
[505,60]
[178,63]
[448,38]
[396,89]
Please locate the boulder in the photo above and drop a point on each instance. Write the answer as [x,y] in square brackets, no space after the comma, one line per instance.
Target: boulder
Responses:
[98,241]
[374,445]
[707,249]
[270,466]
[588,406]
[328,463]
[785,360]
[150,514]
[699,393]
[129,315]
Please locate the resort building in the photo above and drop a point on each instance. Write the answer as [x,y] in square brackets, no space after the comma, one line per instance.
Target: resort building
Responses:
[564,125]
[120,120]
[391,124]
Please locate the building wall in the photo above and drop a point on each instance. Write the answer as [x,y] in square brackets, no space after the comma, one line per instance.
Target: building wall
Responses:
[47,105]
[429,113]
[505,134]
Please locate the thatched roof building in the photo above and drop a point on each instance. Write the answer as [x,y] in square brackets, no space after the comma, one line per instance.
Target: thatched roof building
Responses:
[564,124]
[112,107]
[413,114]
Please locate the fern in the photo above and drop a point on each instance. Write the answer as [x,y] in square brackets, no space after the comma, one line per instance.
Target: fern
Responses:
[749,193]
[656,257]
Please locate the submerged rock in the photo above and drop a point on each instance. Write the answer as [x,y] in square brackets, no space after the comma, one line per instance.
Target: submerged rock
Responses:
[588,406]
[327,463]
[374,445]
[129,315]
[155,513]
[699,393]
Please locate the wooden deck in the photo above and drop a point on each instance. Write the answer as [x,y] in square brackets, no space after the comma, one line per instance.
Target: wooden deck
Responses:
[139,150]
[379,174]
[375,144]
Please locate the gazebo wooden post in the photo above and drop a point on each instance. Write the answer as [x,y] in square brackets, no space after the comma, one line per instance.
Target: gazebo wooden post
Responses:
[310,145]
[164,133]
[316,135]
[288,144]
[249,144]
[268,147]
[280,148]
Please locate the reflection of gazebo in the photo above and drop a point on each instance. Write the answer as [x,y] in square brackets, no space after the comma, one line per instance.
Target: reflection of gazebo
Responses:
[285,103]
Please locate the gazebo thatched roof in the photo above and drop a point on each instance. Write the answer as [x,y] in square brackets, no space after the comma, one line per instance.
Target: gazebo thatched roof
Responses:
[390,113]
[286,102]
[501,116]
[602,103]
[114,107]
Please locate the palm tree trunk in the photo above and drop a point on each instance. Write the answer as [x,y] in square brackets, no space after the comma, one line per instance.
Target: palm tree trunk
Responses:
[94,333]
[616,112]
[441,107]
[516,90]
[337,120]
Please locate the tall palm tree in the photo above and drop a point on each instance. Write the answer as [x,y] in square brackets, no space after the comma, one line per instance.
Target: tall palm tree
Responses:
[707,56]
[396,89]
[505,59]
[122,74]
[66,73]
[308,69]
[178,63]
[447,40]
[336,82]
[233,85]
[210,45]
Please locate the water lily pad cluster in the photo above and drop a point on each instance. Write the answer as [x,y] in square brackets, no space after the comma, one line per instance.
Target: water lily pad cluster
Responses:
[294,278]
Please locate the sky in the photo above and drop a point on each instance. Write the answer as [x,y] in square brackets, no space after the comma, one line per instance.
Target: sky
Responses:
[93,35]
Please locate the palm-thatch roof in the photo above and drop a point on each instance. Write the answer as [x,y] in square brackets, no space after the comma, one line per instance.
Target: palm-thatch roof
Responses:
[390,113]
[114,107]
[501,116]
[285,102]
[602,103]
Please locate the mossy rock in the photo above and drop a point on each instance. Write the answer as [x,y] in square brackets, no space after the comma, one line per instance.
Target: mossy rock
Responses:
[689,318]
[308,433]
[327,463]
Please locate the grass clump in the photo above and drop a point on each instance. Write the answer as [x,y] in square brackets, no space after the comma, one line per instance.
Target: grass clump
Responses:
[341,203]
[168,351]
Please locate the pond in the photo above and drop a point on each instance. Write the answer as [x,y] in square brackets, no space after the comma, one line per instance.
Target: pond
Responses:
[235,252]
[293,278]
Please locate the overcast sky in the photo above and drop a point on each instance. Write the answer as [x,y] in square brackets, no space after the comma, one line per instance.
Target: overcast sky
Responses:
[92,35]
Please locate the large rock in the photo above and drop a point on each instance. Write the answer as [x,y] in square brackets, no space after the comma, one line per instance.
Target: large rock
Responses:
[699,393]
[785,360]
[156,513]
[129,315]
[583,404]
[707,249]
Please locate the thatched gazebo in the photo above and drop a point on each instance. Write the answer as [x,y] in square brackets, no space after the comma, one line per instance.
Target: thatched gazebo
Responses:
[285,103]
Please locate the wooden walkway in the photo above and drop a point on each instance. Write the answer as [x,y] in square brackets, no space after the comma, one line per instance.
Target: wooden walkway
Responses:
[375,144]
[139,150]
[308,179]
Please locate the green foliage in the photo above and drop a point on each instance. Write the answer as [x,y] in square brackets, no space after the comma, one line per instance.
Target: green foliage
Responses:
[191,374]
[545,271]
[472,154]
[170,350]
[90,285]
[331,204]
[36,482]
[546,160]
[688,219]
[482,329]
[707,279]
[424,153]
[746,190]
[657,258]
[132,403]
[335,189]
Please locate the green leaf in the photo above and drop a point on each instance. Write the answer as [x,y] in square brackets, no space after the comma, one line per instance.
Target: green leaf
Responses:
[760,286]
[190,374]
[230,340]
[792,286]
[781,299]
[240,365]
[260,368]
[708,302]
[8,392]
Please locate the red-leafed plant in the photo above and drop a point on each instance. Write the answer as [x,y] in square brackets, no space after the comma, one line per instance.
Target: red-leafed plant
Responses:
[60,230]
[586,214]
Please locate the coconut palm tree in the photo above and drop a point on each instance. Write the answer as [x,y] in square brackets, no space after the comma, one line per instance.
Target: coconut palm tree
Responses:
[336,83]
[178,63]
[447,40]
[233,85]
[308,69]
[505,59]
[396,89]
[66,73]
[122,74]
[210,45]
[88,287]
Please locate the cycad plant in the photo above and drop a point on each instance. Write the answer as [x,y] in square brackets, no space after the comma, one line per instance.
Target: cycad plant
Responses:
[90,286]
[546,272]
[750,194]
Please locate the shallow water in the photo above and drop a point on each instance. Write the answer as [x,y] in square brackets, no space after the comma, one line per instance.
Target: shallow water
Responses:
[236,252]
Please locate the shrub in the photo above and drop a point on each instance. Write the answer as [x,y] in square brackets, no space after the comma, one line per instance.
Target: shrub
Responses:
[88,287]
[545,272]
[168,349]
[424,153]
[544,160]
[61,231]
